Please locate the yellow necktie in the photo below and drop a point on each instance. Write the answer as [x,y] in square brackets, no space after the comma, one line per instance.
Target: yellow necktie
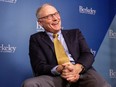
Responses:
[59,50]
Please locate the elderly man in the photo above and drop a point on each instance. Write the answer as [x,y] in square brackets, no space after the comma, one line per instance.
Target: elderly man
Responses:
[71,65]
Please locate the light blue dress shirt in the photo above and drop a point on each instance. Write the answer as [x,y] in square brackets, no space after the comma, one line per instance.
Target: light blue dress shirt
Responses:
[61,39]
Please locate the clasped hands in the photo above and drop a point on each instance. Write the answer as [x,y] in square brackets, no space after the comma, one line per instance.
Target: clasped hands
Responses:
[70,71]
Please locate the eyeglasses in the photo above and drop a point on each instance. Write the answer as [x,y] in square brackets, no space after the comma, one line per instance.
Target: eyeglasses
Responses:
[50,16]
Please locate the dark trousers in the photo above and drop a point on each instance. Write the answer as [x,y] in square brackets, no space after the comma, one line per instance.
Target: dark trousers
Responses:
[89,79]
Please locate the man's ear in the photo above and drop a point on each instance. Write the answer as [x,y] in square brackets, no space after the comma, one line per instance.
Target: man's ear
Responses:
[39,23]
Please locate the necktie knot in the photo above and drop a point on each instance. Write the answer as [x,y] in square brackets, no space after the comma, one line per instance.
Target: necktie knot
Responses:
[55,35]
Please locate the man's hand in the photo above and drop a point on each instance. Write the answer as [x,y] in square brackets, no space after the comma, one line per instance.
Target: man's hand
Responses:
[71,72]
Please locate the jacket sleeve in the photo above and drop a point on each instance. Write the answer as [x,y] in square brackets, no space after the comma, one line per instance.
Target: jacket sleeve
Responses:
[38,58]
[86,58]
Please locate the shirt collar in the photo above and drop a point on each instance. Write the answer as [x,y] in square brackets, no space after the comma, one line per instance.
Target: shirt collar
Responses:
[51,34]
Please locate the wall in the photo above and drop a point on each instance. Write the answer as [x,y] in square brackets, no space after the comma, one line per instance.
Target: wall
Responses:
[95,18]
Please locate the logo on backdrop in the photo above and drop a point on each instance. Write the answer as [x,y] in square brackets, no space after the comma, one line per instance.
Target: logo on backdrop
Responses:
[87,10]
[112,33]
[9,1]
[112,73]
[7,48]
[39,27]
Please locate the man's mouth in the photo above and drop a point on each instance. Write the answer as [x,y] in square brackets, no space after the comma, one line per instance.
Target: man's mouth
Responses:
[55,23]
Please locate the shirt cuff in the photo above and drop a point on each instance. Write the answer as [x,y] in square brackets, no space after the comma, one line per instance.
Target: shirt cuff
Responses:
[53,71]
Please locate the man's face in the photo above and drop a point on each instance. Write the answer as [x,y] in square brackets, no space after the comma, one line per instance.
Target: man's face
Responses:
[49,19]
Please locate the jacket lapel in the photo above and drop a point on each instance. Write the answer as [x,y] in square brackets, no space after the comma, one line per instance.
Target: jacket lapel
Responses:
[69,42]
[45,38]
[67,39]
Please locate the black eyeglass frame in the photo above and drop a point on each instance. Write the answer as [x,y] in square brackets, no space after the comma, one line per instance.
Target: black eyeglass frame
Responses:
[50,15]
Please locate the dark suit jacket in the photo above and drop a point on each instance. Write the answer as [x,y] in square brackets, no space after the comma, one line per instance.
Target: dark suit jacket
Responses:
[42,54]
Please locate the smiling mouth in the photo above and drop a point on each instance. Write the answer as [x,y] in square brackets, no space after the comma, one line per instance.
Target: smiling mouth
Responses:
[55,23]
